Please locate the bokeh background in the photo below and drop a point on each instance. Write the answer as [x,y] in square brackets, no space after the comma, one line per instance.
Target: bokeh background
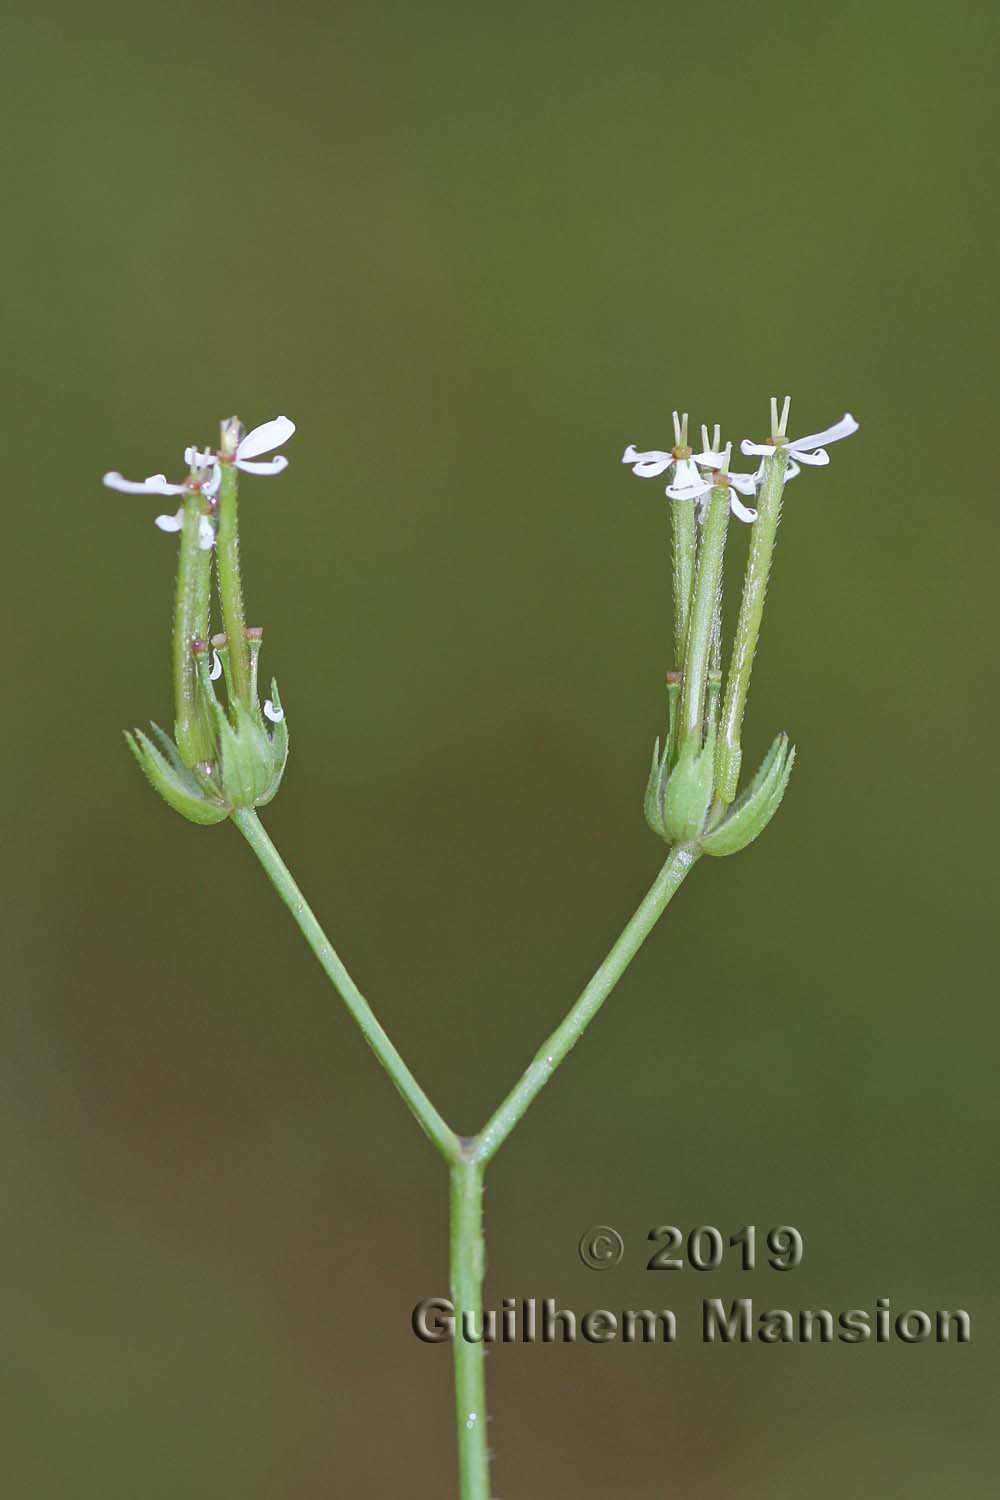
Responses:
[473,252]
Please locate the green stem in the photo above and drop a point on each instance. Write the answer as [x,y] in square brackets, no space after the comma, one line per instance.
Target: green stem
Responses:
[679,862]
[427,1117]
[230,586]
[701,626]
[468,1259]
[682,530]
[194,739]
[467,1159]
[762,539]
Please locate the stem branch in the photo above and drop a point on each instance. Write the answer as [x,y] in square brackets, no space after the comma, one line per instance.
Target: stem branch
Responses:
[679,862]
[427,1117]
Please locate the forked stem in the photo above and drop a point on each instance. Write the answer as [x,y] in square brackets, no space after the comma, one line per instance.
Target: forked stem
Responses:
[467,1159]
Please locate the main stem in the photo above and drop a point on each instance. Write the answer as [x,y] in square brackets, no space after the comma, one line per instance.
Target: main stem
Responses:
[468,1264]
[427,1117]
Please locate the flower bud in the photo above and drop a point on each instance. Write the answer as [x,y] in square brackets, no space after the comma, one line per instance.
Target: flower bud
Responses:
[678,798]
[231,435]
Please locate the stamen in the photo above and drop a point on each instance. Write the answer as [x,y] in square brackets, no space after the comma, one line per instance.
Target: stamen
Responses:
[784,417]
[774,416]
[677,429]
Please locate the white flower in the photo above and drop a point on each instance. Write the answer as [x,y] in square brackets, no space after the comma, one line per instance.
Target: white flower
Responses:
[206,474]
[688,483]
[807,450]
[718,458]
[203,479]
[262,439]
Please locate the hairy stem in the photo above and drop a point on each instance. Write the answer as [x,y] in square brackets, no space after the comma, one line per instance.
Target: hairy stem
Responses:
[683,536]
[191,731]
[230,585]
[704,609]
[762,539]
[427,1117]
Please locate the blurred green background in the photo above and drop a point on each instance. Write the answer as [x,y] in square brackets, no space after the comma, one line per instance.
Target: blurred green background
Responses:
[473,252]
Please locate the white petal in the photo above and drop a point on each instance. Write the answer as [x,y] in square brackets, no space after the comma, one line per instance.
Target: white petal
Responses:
[264,465]
[216,671]
[206,533]
[274,714]
[740,511]
[155,484]
[745,483]
[840,429]
[791,469]
[688,483]
[710,459]
[689,491]
[765,449]
[265,437]
[649,463]
[211,485]
[819,458]
[170,523]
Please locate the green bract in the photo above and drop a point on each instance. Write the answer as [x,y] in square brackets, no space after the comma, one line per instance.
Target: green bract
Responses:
[754,809]
[251,758]
[183,789]
[246,772]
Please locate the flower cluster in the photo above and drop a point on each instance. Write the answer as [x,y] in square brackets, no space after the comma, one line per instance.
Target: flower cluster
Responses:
[691,792]
[205,474]
[695,475]
[229,754]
